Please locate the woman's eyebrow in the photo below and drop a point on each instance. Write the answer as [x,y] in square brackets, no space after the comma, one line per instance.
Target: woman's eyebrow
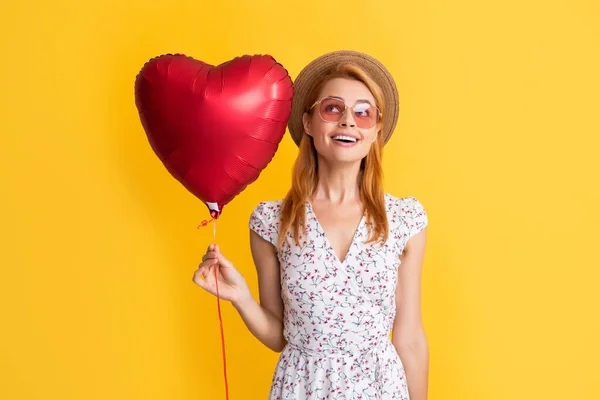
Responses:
[342,99]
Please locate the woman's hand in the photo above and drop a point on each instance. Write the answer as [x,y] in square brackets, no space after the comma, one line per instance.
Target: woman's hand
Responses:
[232,285]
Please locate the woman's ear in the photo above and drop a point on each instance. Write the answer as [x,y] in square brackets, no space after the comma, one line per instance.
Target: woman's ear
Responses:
[306,123]
[379,129]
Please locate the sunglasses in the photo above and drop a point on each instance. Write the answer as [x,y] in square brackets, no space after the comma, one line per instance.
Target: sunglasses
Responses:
[331,110]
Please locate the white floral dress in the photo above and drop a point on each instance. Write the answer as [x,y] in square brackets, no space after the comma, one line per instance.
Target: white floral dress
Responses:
[338,314]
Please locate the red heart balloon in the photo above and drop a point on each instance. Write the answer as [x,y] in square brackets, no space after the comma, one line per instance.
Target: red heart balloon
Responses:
[215,128]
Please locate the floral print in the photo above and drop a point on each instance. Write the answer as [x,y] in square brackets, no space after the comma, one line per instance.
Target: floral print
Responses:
[338,313]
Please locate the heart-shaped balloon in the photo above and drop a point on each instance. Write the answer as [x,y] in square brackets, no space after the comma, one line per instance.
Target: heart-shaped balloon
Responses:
[215,128]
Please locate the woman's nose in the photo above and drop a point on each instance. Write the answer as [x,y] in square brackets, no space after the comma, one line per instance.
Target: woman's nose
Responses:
[347,119]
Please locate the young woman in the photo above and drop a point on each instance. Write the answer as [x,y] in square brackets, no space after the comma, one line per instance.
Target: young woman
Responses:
[338,260]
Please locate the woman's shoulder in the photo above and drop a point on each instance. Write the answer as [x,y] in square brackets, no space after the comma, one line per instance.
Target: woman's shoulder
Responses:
[268,209]
[265,220]
[402,202]
[269,205]
[408,210]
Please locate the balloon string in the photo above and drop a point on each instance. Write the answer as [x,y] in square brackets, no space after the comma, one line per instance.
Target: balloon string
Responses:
[202,224]
[205,222]
[221,320]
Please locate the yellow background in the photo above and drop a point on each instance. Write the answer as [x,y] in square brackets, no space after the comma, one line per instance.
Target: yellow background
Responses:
[497,137]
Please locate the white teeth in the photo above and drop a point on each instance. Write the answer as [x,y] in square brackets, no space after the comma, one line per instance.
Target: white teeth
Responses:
[344,138]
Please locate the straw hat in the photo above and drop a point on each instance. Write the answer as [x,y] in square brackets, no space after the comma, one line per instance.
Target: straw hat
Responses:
[321,65]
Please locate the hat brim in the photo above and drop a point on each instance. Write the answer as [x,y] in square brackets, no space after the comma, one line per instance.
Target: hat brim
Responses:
[321,65]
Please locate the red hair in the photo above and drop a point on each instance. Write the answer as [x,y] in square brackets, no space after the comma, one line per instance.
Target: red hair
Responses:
[305,177]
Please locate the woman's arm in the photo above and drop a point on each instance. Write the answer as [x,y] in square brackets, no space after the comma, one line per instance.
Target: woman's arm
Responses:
[264,320]
[408,335]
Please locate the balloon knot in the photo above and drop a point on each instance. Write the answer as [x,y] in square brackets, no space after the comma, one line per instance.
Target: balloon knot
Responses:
[204,223]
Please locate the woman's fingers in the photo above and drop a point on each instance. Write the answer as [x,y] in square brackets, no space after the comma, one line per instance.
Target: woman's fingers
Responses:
[208,255]
[199,278]
[205,274]
[209,262]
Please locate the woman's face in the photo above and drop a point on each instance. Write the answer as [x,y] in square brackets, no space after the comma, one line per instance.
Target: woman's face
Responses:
[349,139]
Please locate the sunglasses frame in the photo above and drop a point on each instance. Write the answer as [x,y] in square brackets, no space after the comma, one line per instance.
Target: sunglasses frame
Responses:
[379,114]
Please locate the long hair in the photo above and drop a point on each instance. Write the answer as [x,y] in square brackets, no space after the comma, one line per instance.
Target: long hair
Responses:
[305,172]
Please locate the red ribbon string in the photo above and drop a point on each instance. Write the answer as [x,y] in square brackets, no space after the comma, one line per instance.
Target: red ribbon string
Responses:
[203,224]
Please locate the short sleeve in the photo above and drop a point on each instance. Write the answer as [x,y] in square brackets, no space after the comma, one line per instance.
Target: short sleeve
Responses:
[414,215]
[264,221]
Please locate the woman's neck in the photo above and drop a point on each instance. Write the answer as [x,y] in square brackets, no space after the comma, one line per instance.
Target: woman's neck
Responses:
[337,183]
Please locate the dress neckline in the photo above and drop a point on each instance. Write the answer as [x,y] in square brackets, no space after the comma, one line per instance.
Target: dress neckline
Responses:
[326,239]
